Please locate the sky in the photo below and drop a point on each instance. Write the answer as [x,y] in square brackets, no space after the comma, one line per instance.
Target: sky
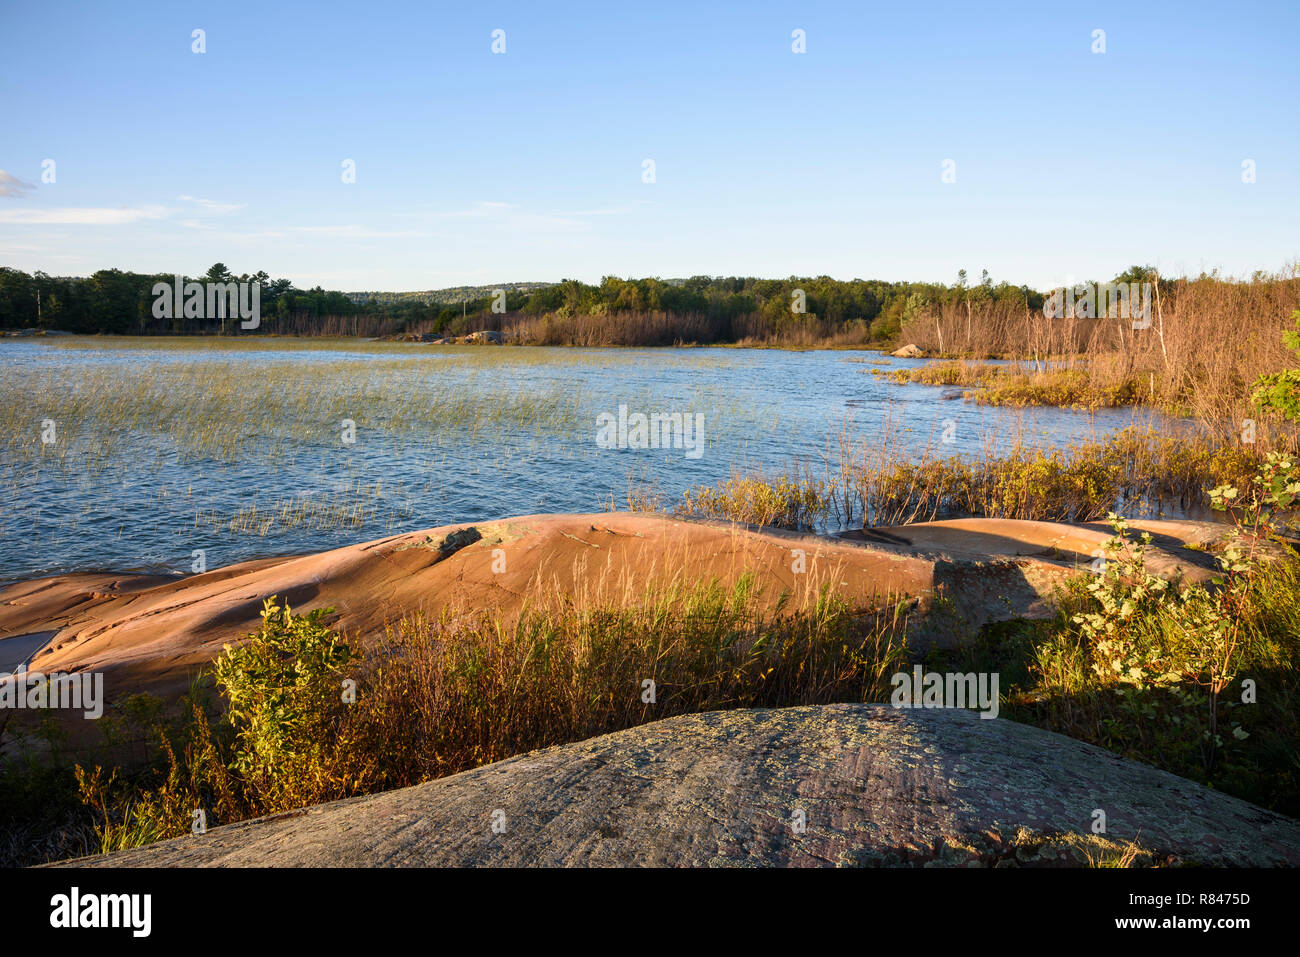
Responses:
[474,167]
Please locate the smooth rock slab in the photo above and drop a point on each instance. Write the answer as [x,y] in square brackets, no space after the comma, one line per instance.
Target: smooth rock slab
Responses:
[151,633]
[876,785]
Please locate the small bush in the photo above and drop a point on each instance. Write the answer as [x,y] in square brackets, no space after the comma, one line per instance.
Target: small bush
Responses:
[268,753]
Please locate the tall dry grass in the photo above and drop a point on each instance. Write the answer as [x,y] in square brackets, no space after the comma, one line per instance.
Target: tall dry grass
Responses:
[613,329]
[1209,340]
[632,328]
[436,695]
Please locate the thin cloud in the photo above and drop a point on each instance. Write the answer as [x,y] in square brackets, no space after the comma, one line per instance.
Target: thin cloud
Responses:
[515,218]
[355,232]
[479,209]
[11,185]
[83,215]
[211,205]
[607,210]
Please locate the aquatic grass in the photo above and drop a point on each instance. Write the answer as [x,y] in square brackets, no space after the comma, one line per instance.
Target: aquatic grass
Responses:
[226,410]
[495,357]
[1015,384]
[213,436]
[872,483]
[781,502]
[352,506]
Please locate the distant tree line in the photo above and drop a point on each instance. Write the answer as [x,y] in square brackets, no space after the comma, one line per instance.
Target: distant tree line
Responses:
[735,308]
[650,311]
[118,302]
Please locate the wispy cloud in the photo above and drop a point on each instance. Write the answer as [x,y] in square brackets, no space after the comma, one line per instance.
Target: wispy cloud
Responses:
[477,211]
[83,215]
[9,248]
[211,205]
[515,218]
[11,185]
[353,231]
[622,210]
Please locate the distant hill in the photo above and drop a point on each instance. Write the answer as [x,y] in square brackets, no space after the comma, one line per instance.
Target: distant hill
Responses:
[446,297]
[455,294]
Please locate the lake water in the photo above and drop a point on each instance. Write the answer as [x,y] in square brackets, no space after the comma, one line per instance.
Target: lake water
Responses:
[164,447]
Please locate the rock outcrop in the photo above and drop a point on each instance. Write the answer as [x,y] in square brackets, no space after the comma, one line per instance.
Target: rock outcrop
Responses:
[811,786]
[151,633]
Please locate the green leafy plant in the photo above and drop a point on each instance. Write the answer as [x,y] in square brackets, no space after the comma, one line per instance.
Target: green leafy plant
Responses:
[1279,392]
[271,751]
[282,686]
[1147,633]
[1127,595]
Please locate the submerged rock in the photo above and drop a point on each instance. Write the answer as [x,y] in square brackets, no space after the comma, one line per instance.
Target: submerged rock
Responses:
[811,786]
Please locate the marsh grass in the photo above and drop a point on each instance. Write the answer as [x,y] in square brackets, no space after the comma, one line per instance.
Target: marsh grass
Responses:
[1022,384]
[353,505]
[228,411]
[235,438]
[1140,471]
[486,357]
[781,502]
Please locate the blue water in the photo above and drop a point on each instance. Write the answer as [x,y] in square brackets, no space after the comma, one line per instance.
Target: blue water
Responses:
[153,504]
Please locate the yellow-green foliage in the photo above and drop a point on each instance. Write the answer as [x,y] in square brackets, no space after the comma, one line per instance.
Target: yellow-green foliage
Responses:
[1278,393]
[1062,387]
[283,689]
[941,373]
[1143,470]
[283,692]
[783,502]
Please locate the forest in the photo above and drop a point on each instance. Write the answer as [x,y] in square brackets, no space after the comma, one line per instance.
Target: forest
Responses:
[650,311]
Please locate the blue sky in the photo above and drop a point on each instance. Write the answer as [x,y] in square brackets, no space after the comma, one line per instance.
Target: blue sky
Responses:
[476,168]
